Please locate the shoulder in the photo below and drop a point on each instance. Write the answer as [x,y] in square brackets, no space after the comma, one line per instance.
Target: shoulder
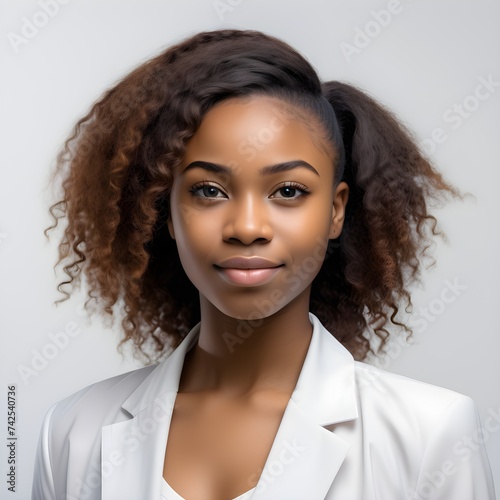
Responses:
[412,404]
[391,387]
[96,405]
[372,378]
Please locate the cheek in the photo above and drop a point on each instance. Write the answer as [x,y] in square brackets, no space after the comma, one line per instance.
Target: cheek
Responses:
[192,246]
[306,224]
[309,258]
[192,237]
[197,231]
[307,240]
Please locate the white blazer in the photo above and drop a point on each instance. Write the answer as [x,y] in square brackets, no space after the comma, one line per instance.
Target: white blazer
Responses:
[349,432]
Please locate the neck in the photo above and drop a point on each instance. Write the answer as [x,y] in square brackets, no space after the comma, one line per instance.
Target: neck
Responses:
[236,357]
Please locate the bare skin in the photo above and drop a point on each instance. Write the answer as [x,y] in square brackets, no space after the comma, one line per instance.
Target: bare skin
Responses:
[238,378]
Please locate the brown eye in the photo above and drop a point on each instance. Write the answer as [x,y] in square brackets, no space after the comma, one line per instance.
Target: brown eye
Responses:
[209,191]
[205,191]
[292,191]
[288,192]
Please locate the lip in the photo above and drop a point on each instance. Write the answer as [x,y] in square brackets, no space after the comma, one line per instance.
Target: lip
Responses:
[248,263]
[248,277]
[248,271]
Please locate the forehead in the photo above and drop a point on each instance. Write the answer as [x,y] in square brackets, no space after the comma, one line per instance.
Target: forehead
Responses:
[240,130]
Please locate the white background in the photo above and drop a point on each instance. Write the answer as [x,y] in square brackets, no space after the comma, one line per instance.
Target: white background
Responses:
[429,57]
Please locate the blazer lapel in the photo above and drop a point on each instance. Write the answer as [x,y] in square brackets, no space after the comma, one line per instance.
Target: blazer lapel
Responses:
[133,452]
[303,462]
[305,456]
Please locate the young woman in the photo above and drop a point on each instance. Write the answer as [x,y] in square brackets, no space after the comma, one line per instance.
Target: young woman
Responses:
[263,229]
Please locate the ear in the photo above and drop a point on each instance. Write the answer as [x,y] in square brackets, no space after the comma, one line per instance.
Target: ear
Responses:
[340,198]
[171,227]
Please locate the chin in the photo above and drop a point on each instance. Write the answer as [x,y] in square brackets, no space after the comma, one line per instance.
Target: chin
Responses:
[256,313]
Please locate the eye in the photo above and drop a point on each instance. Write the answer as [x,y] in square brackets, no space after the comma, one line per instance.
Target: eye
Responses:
[290,189]
[205,190]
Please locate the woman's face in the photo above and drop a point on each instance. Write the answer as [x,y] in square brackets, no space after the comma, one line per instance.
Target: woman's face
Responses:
[256,182]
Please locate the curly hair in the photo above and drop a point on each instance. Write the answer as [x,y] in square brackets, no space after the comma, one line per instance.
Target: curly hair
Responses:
[117,167]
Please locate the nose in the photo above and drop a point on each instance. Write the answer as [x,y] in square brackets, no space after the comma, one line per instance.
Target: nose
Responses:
[247,222]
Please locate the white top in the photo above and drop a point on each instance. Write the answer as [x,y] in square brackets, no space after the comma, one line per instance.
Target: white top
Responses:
[168,493]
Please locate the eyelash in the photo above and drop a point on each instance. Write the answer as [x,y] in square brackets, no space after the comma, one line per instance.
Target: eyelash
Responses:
[289,184]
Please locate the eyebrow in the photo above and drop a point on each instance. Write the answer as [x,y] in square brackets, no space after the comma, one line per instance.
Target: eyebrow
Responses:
[269,170]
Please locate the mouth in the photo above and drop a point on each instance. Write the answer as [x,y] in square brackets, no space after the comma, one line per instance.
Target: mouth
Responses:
[248,277]
[245,263]
[248,271]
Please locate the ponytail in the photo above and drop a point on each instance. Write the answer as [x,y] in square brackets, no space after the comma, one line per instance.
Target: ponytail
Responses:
[387,223]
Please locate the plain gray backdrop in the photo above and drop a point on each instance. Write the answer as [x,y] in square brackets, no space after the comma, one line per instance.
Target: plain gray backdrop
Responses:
[435,63]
